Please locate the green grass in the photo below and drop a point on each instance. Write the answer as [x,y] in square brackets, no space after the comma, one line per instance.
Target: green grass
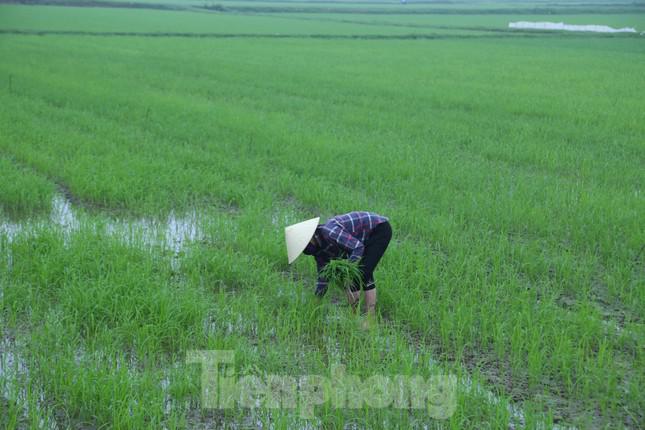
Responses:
[23,191]
[484,21]
[52,18]
[510,168]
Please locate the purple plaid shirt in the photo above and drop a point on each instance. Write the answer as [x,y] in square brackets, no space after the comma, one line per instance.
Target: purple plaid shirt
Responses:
[343,236]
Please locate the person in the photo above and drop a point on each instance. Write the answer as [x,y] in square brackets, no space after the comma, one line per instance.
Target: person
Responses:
[359,236]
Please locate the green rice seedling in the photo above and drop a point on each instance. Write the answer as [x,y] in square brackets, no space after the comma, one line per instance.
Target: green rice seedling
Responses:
[518,207]
[341,273]
[23,192]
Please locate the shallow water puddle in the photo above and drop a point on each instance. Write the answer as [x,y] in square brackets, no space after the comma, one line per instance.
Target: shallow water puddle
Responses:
[12,366]
[561,26]
[172,233]
[14,376]
[518,418]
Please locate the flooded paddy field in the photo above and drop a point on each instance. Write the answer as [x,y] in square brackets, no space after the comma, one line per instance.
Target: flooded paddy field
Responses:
[150,158]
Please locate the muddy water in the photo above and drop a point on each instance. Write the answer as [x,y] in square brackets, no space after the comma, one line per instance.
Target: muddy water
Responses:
[518,419]
[516,413]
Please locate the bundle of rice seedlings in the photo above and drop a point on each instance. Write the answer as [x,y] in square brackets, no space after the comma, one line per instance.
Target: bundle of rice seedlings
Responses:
[342,274]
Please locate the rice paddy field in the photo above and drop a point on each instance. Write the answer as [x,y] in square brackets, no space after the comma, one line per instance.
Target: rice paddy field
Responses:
[152,152]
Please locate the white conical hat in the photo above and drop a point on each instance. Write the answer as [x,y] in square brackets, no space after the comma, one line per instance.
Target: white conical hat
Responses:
[298,236]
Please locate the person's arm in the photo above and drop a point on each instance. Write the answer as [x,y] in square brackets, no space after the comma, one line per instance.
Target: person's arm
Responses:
[346,241]
[321,283]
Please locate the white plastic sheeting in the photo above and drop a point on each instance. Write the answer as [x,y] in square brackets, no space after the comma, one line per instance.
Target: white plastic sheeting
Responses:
[561,26]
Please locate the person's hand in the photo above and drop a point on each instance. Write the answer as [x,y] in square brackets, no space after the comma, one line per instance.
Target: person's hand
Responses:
[321,290]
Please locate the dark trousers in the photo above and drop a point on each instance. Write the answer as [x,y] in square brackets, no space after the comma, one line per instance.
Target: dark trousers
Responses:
[375,247]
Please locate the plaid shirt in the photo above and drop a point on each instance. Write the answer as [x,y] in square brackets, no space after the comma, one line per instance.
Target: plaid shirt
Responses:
[343,236]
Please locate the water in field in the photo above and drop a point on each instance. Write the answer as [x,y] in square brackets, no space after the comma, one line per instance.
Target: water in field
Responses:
[14,378]
[517,256]
[173,232]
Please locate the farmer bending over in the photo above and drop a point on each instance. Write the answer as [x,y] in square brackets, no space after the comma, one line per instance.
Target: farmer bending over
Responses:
[357,236]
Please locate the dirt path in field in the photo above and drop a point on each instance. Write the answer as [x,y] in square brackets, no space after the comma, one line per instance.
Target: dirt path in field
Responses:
[233,35]
[282,36]
[295,7]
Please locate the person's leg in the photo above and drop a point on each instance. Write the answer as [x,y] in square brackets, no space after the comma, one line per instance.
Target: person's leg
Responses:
[370,300]
[375,247]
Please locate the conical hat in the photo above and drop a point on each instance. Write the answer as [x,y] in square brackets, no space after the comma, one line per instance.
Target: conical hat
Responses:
[298,236]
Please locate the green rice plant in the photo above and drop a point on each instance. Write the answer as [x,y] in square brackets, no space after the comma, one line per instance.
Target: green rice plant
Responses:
[342,273]
[518,207]
[23,191]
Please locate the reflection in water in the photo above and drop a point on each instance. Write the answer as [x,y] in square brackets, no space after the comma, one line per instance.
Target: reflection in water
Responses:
[14,375]
[172,233]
